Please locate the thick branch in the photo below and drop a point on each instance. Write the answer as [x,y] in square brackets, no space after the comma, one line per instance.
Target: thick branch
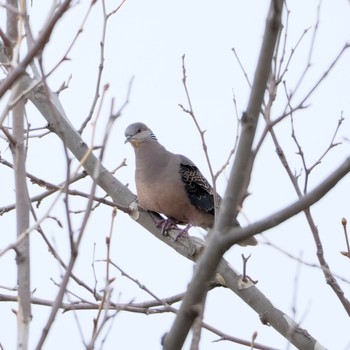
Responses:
[191,248]
[301,204]
[243,163]
[22,218]
[236,188]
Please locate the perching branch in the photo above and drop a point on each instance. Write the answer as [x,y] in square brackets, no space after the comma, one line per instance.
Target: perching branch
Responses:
[50,107]
[190,247]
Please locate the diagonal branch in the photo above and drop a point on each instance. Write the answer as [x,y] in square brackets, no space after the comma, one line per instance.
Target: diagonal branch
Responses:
[301,204]
[191,247]
[49,106]
[236,188]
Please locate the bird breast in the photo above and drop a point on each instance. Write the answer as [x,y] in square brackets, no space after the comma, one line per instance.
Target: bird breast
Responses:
[160,187]
[168,197]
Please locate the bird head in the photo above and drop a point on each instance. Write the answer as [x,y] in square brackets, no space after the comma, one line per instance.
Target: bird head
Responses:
[137,133]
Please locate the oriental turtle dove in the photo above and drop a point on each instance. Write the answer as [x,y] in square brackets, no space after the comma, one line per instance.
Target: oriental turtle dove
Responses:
[170,183]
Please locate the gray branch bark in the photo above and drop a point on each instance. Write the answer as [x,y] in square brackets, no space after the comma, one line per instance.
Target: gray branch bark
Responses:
[235,191]
[190,248]
[22,219]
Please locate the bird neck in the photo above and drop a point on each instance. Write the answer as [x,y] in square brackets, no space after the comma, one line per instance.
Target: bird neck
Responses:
[150,155]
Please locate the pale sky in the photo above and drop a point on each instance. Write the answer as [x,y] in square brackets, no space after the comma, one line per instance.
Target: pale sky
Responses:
[145,41]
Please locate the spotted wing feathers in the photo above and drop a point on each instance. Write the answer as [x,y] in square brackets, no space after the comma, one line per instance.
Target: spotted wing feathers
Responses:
[197,187]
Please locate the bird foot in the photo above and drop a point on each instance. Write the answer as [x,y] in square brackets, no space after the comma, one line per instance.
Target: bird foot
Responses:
[184,231]
[165,225]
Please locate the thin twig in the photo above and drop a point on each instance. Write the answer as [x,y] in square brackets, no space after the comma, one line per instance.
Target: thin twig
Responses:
[41,41]
[347,253]
[325,267]
[190,111]
[101,63]
[242,67]
[237,185]
[303,262]
[100,321]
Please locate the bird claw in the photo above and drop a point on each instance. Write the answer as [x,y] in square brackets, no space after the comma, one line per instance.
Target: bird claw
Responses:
[165,225]
[184,231]
[169,224]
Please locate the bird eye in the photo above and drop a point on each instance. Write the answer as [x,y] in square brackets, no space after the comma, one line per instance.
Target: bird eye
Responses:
[138,131]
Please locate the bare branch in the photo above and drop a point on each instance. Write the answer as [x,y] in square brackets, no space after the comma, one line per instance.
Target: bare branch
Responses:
[190,111]
[242,67]
[347,253]
[100,70]
[103,317]
[12,15]
[302,204]
[42,39]
[74,254]
[313,227]
[22,217]
[303,262]
[237,185]
[50,107]
[319,191]
[106,16]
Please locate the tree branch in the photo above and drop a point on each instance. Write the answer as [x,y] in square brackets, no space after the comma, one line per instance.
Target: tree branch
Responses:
[40,42]
[19,151]
[301,204]
[190,247]
[235,191]
[49,106]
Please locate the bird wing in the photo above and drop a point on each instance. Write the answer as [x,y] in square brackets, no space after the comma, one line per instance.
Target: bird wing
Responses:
[197,187]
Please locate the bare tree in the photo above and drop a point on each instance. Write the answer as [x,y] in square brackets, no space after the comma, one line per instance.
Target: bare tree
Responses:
[26,83]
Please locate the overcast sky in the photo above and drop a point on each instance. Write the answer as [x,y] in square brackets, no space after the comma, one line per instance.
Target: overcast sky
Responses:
[145,42]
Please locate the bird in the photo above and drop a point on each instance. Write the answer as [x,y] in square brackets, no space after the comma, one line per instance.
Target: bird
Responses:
[171,184]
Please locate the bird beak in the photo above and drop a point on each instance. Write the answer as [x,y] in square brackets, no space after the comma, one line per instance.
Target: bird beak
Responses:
[128,139]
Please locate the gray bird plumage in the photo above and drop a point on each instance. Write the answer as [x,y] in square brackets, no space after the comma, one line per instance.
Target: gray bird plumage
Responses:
[170,183]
